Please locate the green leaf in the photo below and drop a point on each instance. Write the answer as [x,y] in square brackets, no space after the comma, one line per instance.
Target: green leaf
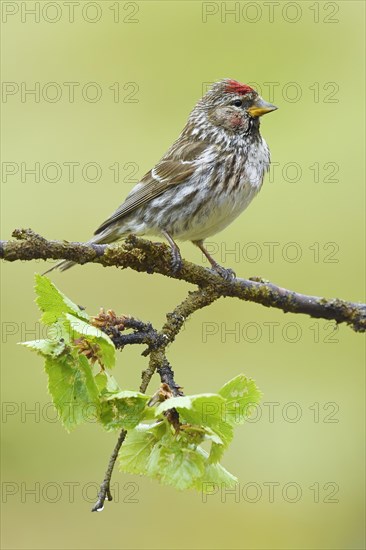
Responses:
[149,413]
[53,303]
[216,453]
[136,450]
[52,348]
[174,464]
[205,410]
[212,436]
[241,395]
[94,336]
[73,388]
[159,429]
[170,458]
[184,402]
[124,409]
[216,475]
[202,409]
[197,434]
[58,341]
[106,383]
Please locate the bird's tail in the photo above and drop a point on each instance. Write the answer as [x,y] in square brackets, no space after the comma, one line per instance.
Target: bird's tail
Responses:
[62,266]
[105,237]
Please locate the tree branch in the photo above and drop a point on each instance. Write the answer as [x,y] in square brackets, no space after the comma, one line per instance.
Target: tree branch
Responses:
[146,256]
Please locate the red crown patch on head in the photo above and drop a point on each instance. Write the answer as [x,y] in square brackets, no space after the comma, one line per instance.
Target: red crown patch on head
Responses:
[237,88]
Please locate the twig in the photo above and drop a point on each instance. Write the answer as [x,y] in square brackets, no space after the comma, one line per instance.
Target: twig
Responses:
[105,488]
[166,374]
[175,320]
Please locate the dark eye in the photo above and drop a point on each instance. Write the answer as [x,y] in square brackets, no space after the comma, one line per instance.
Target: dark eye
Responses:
[237,103]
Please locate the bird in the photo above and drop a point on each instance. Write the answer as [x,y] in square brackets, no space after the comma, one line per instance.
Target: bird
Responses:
[204,181]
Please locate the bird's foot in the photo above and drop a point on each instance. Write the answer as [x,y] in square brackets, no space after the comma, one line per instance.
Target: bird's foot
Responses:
[226,273]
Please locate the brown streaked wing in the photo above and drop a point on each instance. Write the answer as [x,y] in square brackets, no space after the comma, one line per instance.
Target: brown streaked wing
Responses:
[167,172]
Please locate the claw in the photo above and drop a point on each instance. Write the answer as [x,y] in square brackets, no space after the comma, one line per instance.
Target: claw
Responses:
[226,273]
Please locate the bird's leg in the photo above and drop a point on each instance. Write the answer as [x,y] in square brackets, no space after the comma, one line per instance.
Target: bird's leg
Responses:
[226,274]
[176,256]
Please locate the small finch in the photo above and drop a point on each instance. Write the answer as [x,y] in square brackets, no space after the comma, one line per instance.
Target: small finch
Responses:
[205,180]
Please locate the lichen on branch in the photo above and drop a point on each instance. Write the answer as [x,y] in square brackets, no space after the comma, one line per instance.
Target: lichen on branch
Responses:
[145,256]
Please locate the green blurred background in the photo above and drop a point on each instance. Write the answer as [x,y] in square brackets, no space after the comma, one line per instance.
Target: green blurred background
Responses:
[169,51]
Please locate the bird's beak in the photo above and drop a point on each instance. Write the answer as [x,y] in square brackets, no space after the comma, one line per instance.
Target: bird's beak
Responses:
[261,107]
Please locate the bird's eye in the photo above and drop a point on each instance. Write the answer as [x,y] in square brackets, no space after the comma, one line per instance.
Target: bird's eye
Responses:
[237,103]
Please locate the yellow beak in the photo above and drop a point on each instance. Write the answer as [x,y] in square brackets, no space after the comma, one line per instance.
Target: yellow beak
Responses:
[261,107]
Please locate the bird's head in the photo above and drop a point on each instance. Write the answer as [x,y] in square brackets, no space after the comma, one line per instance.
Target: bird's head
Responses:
[233,106]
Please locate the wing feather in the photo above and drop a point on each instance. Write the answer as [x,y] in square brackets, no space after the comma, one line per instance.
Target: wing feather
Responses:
[176,166]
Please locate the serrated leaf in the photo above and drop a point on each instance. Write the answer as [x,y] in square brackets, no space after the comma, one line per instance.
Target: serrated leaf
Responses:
[95,336]
[176,465]
[241,395]
[202,410]
[136,450]
[52,348]
[216,453]
[207,410]
[158,453]
[73,388]
[212,436]
[217,476]
[53,303]
[124,409]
